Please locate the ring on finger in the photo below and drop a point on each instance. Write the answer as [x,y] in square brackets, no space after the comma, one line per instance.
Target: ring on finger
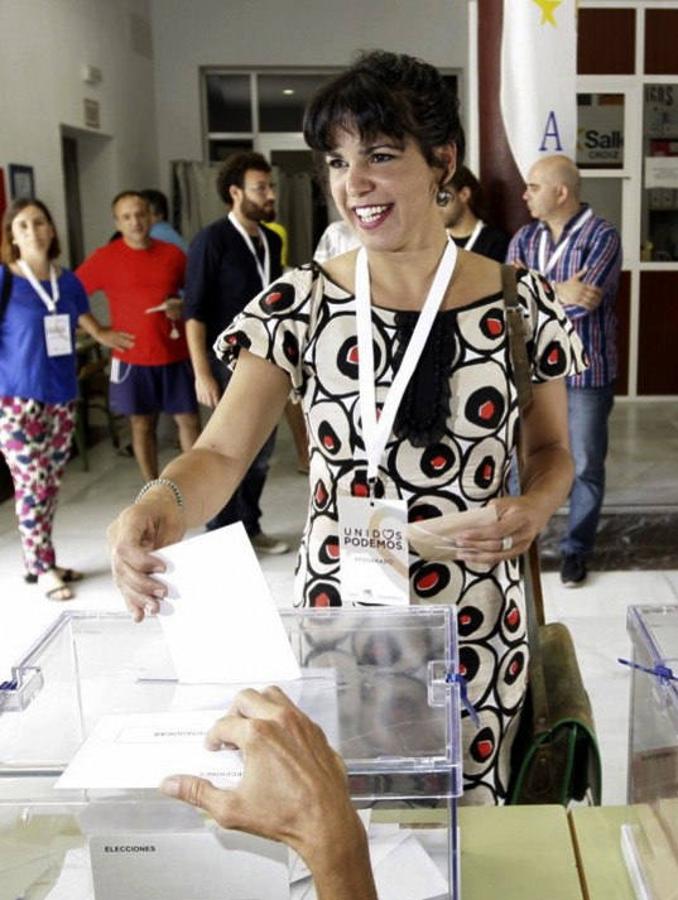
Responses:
[507,542]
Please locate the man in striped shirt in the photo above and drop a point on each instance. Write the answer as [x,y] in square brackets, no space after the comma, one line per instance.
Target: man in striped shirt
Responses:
[580,254]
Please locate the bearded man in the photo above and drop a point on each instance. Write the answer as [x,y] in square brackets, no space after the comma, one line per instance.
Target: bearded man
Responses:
[230,262]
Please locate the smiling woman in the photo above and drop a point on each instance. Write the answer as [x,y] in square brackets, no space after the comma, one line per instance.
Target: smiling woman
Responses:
[398,353]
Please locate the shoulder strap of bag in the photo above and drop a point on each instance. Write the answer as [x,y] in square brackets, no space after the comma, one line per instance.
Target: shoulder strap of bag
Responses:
[516,335]
[317,293]
[523,382]
[534,598]
[6,289]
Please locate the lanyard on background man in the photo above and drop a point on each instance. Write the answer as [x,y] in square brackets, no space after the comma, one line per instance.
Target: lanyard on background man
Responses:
[376,434]
[265,270]
[50,302]
[473,237]
[545,265]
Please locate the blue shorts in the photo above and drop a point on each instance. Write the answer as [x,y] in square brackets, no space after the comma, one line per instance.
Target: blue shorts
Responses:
[145,390]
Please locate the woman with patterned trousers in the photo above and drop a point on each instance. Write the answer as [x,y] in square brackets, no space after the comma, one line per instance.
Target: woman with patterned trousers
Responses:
[41,306]
[399,355]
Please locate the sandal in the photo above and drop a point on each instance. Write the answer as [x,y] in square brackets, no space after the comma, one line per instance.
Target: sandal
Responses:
[56,589]
[68,576]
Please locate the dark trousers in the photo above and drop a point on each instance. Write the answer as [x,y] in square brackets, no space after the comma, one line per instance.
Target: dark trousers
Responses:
[244,504]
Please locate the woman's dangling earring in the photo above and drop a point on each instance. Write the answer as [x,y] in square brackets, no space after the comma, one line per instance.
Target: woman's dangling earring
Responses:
[442,196]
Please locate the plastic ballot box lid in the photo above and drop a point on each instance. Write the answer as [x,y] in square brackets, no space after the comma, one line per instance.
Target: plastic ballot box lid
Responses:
[382,682]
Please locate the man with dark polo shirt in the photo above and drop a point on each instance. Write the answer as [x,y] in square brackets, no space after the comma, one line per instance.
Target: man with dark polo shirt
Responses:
[230,262]
[141,278]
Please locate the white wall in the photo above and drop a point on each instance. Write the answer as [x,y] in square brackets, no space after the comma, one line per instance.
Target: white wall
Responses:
[312,33]
[44,45]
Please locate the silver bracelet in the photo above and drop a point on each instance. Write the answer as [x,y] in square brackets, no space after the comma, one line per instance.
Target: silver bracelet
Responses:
[165,482]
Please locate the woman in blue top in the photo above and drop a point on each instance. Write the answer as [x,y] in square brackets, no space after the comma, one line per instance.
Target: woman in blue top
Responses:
[41,307]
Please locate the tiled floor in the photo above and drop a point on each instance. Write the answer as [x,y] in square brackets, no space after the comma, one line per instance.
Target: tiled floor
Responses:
[642,475]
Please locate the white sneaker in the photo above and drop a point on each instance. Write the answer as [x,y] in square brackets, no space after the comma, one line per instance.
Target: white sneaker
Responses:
[263,543]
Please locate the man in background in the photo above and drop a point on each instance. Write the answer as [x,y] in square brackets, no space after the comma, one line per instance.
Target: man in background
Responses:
[142,278]
[463,215]
[229,263]
[161,229]
[580,254]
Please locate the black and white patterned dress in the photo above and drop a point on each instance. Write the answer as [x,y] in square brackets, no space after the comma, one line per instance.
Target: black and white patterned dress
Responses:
[450,450]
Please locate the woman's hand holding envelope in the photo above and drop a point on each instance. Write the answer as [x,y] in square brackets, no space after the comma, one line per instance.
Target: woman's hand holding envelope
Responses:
[502,530]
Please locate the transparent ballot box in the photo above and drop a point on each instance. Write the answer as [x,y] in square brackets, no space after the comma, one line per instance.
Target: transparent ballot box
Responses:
[381,682]
[653,720]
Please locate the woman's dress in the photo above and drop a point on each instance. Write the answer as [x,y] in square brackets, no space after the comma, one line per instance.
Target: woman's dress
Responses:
[450,450]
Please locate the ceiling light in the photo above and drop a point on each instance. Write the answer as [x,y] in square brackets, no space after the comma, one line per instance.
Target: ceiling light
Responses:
[288,92]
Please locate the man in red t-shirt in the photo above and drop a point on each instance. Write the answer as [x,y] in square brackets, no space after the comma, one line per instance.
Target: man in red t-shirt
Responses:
[141,278]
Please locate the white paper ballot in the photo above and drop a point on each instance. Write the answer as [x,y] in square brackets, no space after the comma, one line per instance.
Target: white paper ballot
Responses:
[401,867]
[408,871]
[75,880]
[219,617]
[139,750]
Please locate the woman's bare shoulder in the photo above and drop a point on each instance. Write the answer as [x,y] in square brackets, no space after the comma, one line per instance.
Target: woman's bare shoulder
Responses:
[478,276]
[341,270]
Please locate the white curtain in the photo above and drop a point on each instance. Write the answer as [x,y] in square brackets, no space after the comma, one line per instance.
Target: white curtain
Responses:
[195,198]
[294,205]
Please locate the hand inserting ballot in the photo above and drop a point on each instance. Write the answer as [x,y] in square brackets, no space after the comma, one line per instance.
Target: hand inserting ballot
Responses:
[294,789]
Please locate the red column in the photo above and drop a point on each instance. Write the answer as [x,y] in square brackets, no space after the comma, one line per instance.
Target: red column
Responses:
[502,182]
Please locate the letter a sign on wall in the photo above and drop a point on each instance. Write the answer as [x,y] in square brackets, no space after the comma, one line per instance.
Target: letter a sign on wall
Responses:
[538,79]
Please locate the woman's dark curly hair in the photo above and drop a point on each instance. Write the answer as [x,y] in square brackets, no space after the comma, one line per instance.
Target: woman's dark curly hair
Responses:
[387,94]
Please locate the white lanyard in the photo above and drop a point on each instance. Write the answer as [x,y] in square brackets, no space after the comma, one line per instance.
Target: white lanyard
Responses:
[546,266]
[375,435]
[50,302]
[265,270]
[473,237]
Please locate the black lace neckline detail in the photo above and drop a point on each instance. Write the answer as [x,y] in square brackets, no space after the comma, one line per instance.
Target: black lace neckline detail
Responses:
[425,407]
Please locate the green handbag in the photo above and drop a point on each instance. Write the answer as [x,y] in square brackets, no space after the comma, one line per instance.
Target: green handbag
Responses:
[555,756]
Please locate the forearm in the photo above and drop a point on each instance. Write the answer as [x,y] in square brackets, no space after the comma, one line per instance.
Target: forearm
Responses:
[91,325]
[546,479]
[574,308]
[343,871]
[206,479]
[196,336]
[208,475]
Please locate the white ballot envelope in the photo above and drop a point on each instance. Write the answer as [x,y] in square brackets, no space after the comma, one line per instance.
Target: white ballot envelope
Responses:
[139,750]
[434,538]
[219,618]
